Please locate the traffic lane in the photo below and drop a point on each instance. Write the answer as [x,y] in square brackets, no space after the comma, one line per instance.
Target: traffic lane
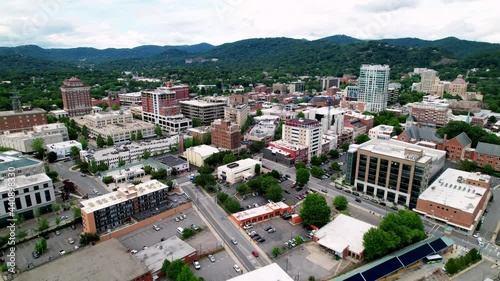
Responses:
[86,184]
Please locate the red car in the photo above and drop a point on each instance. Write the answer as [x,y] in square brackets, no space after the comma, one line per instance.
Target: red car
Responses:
[255,254]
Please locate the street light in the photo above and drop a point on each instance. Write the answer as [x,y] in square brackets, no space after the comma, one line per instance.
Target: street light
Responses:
[286,267]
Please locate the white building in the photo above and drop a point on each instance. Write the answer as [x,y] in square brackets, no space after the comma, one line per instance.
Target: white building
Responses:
[128,153]
[330,118]
[130,98]
[63,149]
[22,141]
[30,192]
[196,155]
[373,86]
[263,131]
[175,123]
[305,132]
[269,272]
[237,113]
[59,113]
[205,111]
[382,132]
[238,171]
[344,236]
[23,166]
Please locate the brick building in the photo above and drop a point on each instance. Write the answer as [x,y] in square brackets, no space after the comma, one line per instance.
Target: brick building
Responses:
[296,151]
[456,147]
[111,100]
[423,136]
[484,154]
[76,97]
[226,134]
[19,120]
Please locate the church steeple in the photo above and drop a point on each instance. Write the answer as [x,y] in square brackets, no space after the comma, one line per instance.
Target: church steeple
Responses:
[467,120]
[409,121]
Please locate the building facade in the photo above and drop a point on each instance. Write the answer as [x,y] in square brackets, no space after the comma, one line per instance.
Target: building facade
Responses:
[328,82]
[63,149]
[304,132]
[19,120]
[225,134]
[196,155]
[485,154]
[76,97]
[373,86]
[457,146]
[237,113]
[297,152]
[238,171]
[22,141]
[431,112]
[382,132]
[206,112]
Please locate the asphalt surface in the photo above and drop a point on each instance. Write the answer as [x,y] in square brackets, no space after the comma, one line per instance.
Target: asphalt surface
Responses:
[85,185]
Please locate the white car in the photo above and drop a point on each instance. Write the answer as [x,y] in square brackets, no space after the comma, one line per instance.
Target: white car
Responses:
[211,258]
[62,252]
[155,227]
[71,241]
[234,241]
[196,265]
[476,235]
[237,268]
[134,252]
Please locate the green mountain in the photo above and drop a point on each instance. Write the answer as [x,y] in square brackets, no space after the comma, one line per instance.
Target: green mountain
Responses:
[341,39]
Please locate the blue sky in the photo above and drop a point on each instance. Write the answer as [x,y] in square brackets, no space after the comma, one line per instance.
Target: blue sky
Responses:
[127,23]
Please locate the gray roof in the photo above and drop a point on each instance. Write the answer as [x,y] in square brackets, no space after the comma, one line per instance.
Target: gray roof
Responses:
[424,133]
[463,139]
[23,162]
[171,160]
[488,148]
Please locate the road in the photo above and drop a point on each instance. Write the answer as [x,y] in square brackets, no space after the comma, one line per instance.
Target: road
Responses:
[219,220]
[85,185]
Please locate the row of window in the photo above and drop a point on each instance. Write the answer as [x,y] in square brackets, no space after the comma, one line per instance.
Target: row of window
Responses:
[27,201]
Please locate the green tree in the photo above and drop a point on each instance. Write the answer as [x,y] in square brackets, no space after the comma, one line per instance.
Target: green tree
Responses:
[55,207]
[85,131]
[335,166]
[196,122]
[468,166]
[22,234]
[258,112]
[317,172]
[100,141]
[340,203]
[58,220]
[87,238]
[257,146]
[158,131]
[276,252]
[102,166]
[186,274]
[274,193]
[52,157]
[164,267]
[107,179]
[204,180]
[93,167]
[19,219]
[42,224]
[74,151]
[121,162]
[115,107]
[488,169]
[361,139]
[232,205]
[41,246]
[187,232]
[139,135]
[242,189]
[205,169]
[132,137]
[159,174]
[345,146]
[451,266]
[300,115]
[315,211]
[170,185]
[109,141]
[229,158]
[302,176]
[174,269]
[376,242]
[334,153]
[300,165]
[38,145]
[323,158]
[84,142]
[72,133]
[77,212]
[316,161]
[146,154]
[37,212]
[311,278]
[257,169]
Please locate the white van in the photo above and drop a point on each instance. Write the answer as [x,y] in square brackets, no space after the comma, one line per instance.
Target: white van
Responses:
[180,230]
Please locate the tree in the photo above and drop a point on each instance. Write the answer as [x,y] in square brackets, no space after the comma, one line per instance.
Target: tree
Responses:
[121,162]
[323,158]
[345,146]
[311,278]
[107,179]
[315,211]
[52,157]
[300,165]
[115,107]
[229,158]
[316,161]
[302,176]
[170,185]
[84,142]
[93,166]
[276,252]
[102,166]
[376,242]
[146,154]
[132,137]
[159,174]
[41,246]
[257,146]
[72,133]
[451,266]
[258,112]
[38,147]
[340,203]
[187,232]
[100,141]
[468,166]
[361,139]
[165,265]
[77,212]
[274,193]
[37,212]
[174,269]
[232,205]
[196,122]
[74,151]
[55,207]
[317,172]
[158,131]
[109,141]
[334,153]
[488,169]
[257,169]
[335,166]
[19,219]
[204,180]
[205,169]
[275,174]
[139,135]
[42,224]
[242,189]
[85,131]
[58,220]
[186,274]
[300,115]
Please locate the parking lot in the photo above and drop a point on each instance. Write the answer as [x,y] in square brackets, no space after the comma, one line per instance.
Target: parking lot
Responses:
[221,269]
[55,243]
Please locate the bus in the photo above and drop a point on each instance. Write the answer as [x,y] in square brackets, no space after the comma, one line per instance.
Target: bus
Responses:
[433,259]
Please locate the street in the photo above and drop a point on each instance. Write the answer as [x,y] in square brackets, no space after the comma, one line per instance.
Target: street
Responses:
[85,185]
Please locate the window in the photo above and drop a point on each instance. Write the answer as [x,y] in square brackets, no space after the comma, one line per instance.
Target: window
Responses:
[38,198]
[36,187]
[47,195]
[27,198]
[26,190]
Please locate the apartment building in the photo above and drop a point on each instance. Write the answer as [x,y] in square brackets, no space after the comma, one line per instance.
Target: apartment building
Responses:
[297,152]
[427,79]
[131,98]
[201,133]
[30,192]
[20,119]
[129,153]
[330,118]
[119,125]
[456,198]
[373,86]
[159,102]
[381,132]
[225,134]
[205,111]
[431,112]
[297,86]
[392,170]
[76,97]
[22,141]
[237,113]
[328,82]
[352,91]
[175,123]
[305,132]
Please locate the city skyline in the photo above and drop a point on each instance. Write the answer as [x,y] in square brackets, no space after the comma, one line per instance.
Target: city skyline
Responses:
[126,23]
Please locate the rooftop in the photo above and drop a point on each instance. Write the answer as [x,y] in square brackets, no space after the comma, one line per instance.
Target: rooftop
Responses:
[344,231]
[172,248]
[25,112]
[272,272]
[202,103]
[204,150]
[171,160]
[402,150]
[64,144]
[254,212]
[287,145]
[488,148]
[451,189]
[424,133]
[126,150]
[243,163]
[21,181]
[108,261]
[7,161]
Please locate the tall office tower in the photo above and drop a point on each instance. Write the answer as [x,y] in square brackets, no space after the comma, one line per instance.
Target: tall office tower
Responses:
[373,85]
[304,132]
[427,79]
[76,97]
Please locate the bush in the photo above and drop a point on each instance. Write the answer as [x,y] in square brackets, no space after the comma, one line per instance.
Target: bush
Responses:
[276,252]
[87,238]
[455,265]
[188,232]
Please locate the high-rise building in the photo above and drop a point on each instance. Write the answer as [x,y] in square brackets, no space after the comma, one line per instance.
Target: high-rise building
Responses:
[431,111]
[427,79]
[458,87]
[373,86]
[237,113]
[298,86]
[226,134]
[393,171]
[328,82]
[304,132]
[205,111]
[76,97]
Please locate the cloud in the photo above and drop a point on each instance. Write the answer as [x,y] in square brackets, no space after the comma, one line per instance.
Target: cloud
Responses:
[380,6]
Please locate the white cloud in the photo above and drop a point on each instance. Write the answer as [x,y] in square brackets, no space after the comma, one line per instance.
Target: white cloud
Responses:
[127,23]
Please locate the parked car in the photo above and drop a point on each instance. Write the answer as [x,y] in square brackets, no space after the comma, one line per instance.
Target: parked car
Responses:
[348,190]
[248,226]
[271,230]
[194,227]
[177,220]
[355,193]
[382,204]
[358,200]
[338,187]
[62,252]
[255,205]
[395,208]
[234,241]
[211,258]
[374,201]
[58,232]
[134,252]
[83,175]
[237,268]
[71,241]
[155,227]
[475,235]
[286,191]
[267,228]
[255,254]
[31,265]
[73,226]
[196,265]
[35,254]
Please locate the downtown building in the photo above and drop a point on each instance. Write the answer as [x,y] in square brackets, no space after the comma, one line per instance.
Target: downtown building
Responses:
[392,170]
[304,132]
[76,97]
[226,134]
[22,141]
[432,111]
[373,86]
[19,119]
[205,110]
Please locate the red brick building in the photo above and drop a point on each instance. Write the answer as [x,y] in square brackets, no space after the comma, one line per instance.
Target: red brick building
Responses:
[456,147]
[76,97]
[297,151]
[484,154]
[419,135]
[226,134]
[111,100]
[19,120]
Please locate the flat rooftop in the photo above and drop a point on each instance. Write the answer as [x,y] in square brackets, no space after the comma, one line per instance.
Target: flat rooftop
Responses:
[202,103]
[204,150]
[108,261]
[125,150]
[272,272]
[21,181]
[7,162]
[172,248]
[24,112]
[344,231]
[262,210]
[64,144]
[243,163]
[447,190]
[397,149]
[171,160]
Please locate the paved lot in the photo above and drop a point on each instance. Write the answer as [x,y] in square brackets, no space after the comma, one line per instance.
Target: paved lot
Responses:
[221,269]
[54,245]
[480,272]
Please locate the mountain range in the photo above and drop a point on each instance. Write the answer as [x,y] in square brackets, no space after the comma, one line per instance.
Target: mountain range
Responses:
[458,48]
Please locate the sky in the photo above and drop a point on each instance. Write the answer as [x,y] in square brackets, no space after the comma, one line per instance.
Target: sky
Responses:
[126,23]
